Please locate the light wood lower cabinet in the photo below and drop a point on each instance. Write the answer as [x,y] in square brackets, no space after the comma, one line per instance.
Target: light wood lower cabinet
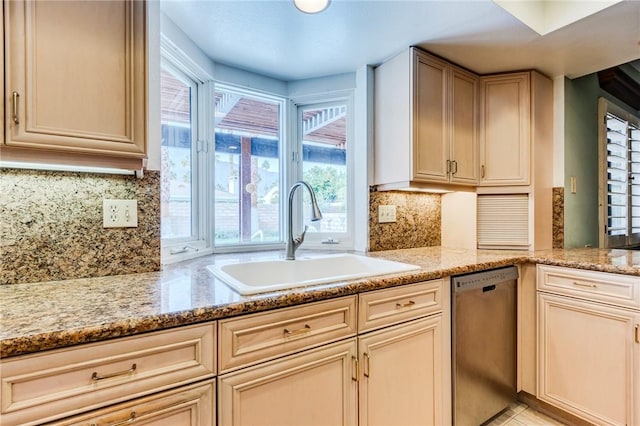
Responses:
[401,379]
[315,387]
[589,359]
[305,365]
[396,372]
[185,406]
[51,385]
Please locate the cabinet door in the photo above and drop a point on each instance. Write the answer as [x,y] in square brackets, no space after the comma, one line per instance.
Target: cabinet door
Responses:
[464,127]
[505,130]
[75,77]
[431,147]
[588,359]
[2,79]
[315,387]
[401,379]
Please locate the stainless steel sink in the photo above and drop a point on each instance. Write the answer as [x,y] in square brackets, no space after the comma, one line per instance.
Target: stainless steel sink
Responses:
[271,275]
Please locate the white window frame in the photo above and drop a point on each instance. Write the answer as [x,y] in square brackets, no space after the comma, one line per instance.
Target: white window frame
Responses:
[199,244]
[340,241]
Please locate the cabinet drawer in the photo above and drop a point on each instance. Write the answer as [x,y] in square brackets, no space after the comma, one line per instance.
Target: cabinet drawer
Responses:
[617,289]
[187,405]
[64,382]
[381,308]
[259,337]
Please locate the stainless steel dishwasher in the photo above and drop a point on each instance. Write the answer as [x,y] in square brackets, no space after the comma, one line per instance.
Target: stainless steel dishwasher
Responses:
[483,344]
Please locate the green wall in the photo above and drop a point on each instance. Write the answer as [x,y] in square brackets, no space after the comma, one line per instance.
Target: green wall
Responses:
[581,161]
[581,157]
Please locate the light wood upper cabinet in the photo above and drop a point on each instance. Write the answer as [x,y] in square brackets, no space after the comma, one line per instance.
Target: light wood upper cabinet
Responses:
[425,122]
[75,82]
[2,80]
[429,118]
[515,129]
[505,132]
[463,137]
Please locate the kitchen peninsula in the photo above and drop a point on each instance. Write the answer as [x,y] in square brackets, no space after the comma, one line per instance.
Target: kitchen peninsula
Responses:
[41,316]
[44,318]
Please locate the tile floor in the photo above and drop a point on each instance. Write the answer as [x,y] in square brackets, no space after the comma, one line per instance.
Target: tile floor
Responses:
[522,415]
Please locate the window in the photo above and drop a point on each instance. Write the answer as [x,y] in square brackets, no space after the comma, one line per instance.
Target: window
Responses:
[323,131]
[178,103]
[247,168]
[620,176]
[185,223]
[229,155]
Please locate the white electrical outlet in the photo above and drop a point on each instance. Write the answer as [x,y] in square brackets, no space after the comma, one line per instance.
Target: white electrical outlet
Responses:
[119,213]
[386,214]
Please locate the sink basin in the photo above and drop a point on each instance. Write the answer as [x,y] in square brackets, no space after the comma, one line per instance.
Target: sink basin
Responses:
[270,275]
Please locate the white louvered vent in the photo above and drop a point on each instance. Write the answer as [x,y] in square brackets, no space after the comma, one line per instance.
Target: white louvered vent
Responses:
[503,221]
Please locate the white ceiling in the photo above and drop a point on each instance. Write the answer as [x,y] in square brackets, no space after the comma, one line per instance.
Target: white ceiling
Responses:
[273,38]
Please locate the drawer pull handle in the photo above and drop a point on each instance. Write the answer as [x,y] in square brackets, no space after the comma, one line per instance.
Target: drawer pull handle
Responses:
[405,305]
[354,372]
[584,285]
[290,333]
[131,419]
[367,367]
[15,97]
[96,377]
[637,333]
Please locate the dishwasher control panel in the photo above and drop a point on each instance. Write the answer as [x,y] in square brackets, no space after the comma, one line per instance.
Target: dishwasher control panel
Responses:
[484,278]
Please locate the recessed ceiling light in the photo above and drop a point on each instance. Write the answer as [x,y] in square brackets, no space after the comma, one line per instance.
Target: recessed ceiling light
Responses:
[311,6]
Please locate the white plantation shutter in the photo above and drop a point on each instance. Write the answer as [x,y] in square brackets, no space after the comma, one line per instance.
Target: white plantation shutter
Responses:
[503,221]
[620,177]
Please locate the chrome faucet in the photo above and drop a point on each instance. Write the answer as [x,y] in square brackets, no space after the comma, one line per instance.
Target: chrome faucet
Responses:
[316,214]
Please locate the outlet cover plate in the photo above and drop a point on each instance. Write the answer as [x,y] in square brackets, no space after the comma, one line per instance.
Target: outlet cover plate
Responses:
[119,213]
[386,214]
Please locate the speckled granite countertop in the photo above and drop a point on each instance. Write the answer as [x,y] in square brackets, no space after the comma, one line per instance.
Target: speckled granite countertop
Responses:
[41,316]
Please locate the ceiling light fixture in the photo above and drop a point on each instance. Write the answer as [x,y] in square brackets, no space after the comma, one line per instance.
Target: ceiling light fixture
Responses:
[311,6]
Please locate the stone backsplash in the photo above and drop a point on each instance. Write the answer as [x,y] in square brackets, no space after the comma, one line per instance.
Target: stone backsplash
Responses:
[418,220]
[51,226]
[558,217]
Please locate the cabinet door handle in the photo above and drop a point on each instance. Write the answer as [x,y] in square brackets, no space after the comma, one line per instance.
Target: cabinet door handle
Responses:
[96,377]
[15,97]
[637,332]
[482,171]
[367,366]
[455,167]
[448,166]
[405,305]
[303,330]
[585,285]
[354,370]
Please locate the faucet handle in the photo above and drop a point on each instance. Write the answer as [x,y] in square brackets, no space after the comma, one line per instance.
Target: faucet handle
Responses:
[300,238]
